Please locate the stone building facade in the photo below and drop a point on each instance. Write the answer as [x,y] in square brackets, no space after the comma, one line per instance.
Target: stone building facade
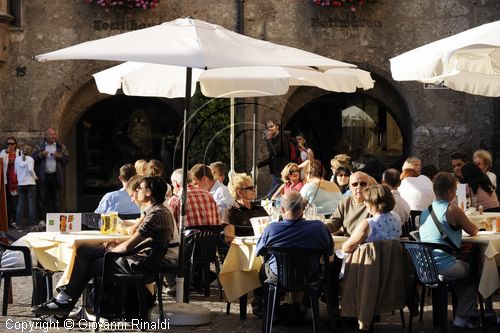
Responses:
[427,123]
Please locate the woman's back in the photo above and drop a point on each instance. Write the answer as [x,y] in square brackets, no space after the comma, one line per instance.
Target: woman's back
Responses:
[324,194]
[384,226]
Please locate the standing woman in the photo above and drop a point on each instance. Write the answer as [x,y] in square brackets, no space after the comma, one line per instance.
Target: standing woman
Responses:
[306,154]
[292,180]
[322,193]
[481,187]
[26,177]
[10,178]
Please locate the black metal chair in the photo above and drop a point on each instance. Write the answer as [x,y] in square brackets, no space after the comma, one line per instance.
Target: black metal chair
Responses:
[415,235]
[411,224]
[42,279]
[427,274]
[204,243]
[136,280]
[298,269]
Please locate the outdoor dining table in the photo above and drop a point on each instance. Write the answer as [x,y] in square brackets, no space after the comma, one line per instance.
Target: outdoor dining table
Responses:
[489,244]
[484,221]
[56,251]
[240,271]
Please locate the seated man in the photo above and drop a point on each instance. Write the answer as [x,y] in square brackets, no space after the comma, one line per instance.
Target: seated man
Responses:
[351,209]
[157,224]
[293,231]
[119,201]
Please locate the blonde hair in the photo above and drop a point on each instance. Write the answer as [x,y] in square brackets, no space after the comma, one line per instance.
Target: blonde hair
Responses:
[409,172]
[485,156]
[286,171]
[237,182]
[410,163]
[140,167]
[339,160]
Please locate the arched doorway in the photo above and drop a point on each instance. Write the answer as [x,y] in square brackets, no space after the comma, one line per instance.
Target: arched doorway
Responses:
[119,130]
[355,124]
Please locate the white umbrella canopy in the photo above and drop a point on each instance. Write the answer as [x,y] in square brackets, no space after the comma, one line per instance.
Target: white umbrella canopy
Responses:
[468,61]
[154,80]
[188,42]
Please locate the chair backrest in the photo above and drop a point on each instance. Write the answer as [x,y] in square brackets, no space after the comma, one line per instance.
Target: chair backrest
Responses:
[297,267]
[411,224]
[415,235]
[423,261]
[19,271]
[202,245]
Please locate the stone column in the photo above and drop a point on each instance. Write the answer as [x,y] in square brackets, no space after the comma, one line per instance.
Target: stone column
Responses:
[5,20]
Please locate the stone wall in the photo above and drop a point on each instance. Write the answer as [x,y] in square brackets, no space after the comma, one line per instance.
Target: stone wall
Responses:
[36,95]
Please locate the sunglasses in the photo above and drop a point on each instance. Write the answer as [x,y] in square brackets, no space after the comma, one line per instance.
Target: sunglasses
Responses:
[292,171]
[342,175]
[361,184]
[251,188]
[11,143]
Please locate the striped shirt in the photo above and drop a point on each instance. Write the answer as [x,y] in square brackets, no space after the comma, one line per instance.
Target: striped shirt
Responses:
[201,208]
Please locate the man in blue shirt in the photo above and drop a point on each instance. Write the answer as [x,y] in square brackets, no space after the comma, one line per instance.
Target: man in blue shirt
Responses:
[119,201]
[293,231]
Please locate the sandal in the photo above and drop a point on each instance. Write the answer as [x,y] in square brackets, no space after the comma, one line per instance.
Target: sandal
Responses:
[53,307]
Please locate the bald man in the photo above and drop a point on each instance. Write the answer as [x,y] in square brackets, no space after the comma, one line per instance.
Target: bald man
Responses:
[351,210]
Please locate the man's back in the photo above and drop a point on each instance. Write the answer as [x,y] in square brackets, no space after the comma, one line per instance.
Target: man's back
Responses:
[201,208]
[117,201]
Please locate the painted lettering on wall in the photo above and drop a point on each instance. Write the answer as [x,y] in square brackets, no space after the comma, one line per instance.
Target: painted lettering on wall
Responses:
[122,25]
[336,23]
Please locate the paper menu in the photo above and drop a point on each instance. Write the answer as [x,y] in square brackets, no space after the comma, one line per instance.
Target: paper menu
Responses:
[259,224]
[462,196]
[64,222]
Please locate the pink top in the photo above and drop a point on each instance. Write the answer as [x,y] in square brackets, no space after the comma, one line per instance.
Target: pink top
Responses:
[486,200]
[293,187]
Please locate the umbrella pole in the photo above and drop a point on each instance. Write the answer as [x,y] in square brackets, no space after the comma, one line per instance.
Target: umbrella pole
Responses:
[254,143]
[231,138]
[180,313]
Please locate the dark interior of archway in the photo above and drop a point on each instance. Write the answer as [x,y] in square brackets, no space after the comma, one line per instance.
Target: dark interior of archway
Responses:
[119,130]
[364,137]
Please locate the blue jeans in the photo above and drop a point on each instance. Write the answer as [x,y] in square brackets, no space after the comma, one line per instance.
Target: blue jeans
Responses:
[26,192]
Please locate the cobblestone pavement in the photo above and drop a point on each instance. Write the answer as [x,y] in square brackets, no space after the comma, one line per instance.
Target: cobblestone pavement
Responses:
[19,314]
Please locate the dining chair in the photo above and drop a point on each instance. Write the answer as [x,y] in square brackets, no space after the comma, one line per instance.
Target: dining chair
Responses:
[428,276]
[136,280]
[411,224]
[294,274]
[41,278]
[204,242]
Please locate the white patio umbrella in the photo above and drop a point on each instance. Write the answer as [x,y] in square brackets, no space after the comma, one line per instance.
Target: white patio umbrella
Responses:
[468,62]
[193,44]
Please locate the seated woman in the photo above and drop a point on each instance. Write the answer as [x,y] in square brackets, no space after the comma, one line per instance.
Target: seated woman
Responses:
[483,160]
[452,220]
[416,189]
[292,181]
[322,193]
[341,178]
[383,224]
[236,218]
[481,187]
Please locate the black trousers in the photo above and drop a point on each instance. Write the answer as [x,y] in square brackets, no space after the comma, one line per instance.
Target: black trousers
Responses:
[50,196]
[88,263]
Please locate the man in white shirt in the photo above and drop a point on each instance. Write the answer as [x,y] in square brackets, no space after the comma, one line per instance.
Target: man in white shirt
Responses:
[203,179]
[50,158]
[390,178]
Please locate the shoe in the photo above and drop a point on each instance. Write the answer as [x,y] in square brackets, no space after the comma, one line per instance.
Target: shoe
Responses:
[471,322]
[53,307]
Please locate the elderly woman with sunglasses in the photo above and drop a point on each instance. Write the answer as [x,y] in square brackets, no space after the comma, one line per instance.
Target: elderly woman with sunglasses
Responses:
[292,180]
[236,218]
[9,155]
